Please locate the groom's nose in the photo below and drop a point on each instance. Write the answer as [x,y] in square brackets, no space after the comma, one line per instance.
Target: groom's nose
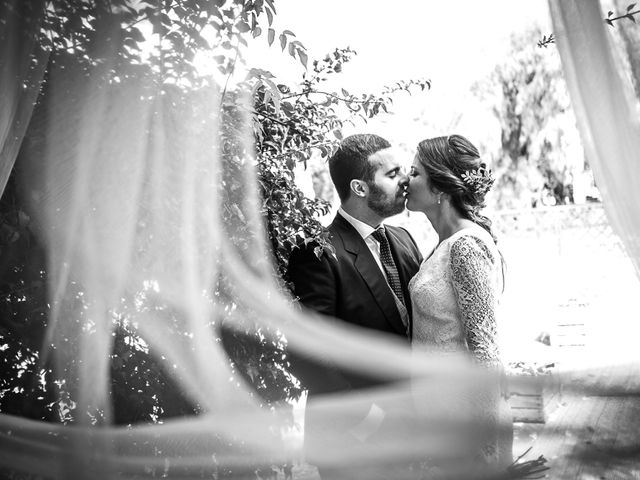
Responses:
[404,179]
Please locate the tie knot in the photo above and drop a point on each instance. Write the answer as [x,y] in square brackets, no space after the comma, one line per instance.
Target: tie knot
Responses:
[379,234]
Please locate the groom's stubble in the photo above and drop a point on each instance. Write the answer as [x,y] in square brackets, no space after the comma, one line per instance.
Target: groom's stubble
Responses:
[384,204]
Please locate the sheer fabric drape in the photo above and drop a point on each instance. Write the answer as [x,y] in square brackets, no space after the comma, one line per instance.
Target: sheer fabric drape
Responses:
[22,67]
[135,199]
[607,113]
[127,186]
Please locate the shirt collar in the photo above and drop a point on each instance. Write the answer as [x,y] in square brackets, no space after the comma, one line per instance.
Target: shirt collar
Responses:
[362,228]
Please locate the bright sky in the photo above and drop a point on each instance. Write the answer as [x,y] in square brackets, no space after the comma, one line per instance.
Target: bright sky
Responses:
[446,41]
[453,44]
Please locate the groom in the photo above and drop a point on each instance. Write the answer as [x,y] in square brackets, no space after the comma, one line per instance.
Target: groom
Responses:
[364,284]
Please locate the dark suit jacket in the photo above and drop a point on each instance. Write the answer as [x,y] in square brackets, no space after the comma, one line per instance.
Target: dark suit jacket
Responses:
[352,288]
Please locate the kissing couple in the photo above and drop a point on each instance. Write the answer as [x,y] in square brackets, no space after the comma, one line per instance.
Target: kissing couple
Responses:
[376,278]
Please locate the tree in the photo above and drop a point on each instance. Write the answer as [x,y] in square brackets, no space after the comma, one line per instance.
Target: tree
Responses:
[529,99]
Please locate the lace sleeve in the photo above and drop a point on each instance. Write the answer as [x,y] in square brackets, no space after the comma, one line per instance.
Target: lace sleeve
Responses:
[471,268]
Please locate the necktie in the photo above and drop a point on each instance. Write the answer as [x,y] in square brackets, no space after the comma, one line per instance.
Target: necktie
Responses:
[387,263]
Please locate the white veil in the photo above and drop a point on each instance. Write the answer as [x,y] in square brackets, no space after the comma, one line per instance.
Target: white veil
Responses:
[150,223]
[128,185]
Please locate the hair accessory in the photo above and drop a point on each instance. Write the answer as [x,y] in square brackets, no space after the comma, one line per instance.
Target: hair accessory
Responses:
[478,180]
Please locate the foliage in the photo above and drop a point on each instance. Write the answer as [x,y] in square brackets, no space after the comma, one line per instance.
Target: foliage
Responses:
[546,41]
[293,124]
[164,37]
[159,43]
[529,99]
[23,310]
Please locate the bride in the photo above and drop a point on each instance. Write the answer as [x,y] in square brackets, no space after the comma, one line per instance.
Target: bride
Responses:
[455,292]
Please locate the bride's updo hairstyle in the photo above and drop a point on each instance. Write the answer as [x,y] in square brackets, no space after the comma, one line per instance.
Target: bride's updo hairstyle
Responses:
[454,167]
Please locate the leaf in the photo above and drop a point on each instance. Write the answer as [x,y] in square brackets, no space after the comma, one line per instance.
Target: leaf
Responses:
[136,34]
[256,32]
[273,94]
[287,109]
[283,41]
[270,16]
[130,42]
[289,32]
[271,36]
[292,50]
[609,13]
[630,7]
[630,17]
[259,72]
[609,22]
[303,58]
[252,373]
[243,27]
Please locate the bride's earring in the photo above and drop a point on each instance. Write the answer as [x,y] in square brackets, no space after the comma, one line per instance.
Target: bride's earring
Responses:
[439,199]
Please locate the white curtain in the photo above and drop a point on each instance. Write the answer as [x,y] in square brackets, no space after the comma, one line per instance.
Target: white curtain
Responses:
[606,110]
[22,67]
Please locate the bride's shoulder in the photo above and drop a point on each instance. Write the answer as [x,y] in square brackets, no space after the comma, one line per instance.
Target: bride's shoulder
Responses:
[472,242]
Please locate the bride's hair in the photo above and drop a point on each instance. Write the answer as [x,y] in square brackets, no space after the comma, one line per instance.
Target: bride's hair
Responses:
[455,168]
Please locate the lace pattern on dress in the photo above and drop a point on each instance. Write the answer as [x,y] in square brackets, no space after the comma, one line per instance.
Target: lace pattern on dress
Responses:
[471,265]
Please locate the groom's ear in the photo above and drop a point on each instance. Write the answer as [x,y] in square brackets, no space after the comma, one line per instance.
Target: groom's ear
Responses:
[359,188]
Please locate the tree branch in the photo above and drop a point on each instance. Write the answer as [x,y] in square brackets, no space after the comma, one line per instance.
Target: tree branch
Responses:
[332,95]
[273,119]
[233,68]
[628,15]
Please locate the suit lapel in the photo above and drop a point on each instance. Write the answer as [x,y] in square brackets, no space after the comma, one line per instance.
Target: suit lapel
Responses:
[369,271]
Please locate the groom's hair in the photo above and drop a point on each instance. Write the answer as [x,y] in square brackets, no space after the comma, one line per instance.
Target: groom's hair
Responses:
[351,161]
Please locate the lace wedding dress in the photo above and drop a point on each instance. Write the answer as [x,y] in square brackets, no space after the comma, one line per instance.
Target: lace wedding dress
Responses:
[455,295]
